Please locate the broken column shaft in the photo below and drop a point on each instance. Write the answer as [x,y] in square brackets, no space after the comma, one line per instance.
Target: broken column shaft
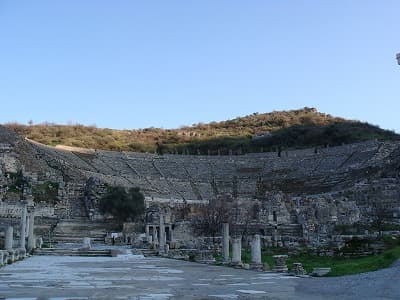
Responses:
[237,251]
[23,227]
[8,245]
[31,236]
[225,242]
[256,250]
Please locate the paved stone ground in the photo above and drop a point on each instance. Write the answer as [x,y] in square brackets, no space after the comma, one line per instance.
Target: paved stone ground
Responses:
[383,284]
[137,278]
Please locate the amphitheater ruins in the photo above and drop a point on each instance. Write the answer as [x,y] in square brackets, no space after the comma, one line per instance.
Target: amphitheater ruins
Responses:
[309,197]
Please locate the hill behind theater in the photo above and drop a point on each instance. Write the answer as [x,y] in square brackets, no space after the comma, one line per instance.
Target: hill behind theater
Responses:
[302,128]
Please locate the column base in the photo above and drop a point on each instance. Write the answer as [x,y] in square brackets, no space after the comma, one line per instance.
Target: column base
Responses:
[280,269]
[256,266]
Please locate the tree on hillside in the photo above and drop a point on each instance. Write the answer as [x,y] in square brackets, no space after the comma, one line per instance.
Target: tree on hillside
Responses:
[123,205]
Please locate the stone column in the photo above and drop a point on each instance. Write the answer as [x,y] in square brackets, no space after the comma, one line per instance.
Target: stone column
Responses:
[1,258]
[147,232]
[162,233]
[31,235]
[225,242]
[280,263]
[171,234]
[256,250]
[23,227]
[8,245]
[28,217]
[237,251]
[155,235]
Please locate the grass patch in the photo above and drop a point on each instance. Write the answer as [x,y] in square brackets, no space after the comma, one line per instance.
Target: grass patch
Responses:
[340,265]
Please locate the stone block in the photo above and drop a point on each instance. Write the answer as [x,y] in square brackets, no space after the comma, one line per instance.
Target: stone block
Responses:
[318,272]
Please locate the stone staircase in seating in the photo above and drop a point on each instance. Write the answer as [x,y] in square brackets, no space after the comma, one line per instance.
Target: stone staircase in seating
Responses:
[74,230]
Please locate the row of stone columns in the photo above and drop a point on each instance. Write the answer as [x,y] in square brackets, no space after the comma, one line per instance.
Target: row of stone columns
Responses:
[237,248]
[159,239]
[256,262]
[26,229]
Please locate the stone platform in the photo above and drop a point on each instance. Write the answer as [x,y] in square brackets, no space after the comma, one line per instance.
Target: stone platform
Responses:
[135,277]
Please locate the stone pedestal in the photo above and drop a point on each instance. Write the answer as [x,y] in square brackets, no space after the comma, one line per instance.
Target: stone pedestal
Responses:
[256,251]
[5,257]
[11,256]
[23,228]
[39,242]
[237,251]
[225,242]
[280,263]
[8,245]
[86,244]
[21,253]
[16,254]
[298,269]
[31,236]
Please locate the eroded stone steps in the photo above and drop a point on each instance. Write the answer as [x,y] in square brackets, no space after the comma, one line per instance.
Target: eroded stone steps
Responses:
[148,252]
[71,239]
[74,230]
[72,252]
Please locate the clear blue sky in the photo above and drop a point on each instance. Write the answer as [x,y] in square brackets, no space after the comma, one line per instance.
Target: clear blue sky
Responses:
[136,64]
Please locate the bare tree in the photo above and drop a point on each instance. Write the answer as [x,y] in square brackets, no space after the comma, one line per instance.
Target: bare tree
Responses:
[211,217]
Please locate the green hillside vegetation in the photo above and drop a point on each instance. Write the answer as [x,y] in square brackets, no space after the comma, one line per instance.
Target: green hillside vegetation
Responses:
[253,133]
